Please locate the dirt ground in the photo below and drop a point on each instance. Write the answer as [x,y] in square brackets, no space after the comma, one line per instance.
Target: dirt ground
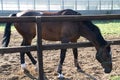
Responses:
[10,63]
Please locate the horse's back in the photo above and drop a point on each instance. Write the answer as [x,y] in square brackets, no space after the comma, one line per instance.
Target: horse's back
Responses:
[53,31]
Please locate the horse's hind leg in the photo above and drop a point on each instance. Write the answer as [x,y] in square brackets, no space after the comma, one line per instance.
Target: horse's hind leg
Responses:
[22,54]
[75,53]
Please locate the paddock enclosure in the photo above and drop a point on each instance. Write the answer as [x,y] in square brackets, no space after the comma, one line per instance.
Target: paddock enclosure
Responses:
[94,74]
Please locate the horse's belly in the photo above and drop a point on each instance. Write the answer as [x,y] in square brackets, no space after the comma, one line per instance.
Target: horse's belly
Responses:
[51,36]
[51,31]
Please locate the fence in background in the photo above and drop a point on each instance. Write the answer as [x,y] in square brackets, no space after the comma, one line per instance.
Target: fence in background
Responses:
[61,4]
[38,20]
[82,6]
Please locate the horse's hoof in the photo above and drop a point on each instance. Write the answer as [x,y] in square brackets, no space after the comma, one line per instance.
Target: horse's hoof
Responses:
[60,76]
[23,66]
[36,68]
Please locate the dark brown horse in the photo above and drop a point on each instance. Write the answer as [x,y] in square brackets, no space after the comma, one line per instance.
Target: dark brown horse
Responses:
[64,32]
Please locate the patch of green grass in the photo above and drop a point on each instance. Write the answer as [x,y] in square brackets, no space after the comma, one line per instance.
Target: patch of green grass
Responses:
[115,78]
[109,27]
[2,27]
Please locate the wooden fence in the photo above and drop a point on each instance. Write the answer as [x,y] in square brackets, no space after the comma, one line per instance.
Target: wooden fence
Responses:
[39,48]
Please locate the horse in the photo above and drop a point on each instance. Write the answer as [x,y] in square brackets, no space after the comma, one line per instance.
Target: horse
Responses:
[61,31]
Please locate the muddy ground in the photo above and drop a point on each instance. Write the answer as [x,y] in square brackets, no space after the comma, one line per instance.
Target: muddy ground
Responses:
[10,63]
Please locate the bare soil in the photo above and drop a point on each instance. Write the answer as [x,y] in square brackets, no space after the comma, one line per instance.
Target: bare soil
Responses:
[10,63]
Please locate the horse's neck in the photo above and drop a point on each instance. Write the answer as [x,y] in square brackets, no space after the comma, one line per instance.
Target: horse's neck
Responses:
[100,42]
[95,35]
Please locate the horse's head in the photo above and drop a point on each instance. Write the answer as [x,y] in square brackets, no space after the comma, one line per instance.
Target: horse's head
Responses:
[104,56]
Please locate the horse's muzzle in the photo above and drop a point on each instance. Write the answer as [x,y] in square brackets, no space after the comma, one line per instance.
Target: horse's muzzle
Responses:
[108,70]
[107,67]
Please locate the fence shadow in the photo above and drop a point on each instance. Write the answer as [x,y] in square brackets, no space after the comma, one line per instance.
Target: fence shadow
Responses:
[88,75]
[28,74]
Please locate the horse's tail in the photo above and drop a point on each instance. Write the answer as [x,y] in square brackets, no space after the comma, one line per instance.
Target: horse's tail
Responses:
[7,32]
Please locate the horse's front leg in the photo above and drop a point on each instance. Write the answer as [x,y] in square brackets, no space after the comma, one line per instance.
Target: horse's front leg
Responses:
[62,58]
[75,53]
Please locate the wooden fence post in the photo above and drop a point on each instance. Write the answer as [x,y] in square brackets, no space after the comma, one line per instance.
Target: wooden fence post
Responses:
[39,48]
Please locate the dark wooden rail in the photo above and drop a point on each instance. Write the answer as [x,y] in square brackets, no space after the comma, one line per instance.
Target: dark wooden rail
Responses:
[9,50]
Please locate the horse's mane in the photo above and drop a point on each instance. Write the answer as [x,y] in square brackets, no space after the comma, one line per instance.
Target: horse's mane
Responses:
[90,25]
[97,31]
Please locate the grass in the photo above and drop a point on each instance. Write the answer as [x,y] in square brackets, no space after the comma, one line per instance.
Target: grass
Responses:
[2,26]
[115,78]
[109,27]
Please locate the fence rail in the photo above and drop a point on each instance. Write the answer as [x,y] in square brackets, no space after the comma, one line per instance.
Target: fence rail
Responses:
[18,19]
[38,20]
[59,18]
[51,47]
[78,17]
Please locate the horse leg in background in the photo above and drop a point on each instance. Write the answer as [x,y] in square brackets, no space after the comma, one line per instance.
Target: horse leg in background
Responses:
[22,55]
[75,53]
[62,58]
